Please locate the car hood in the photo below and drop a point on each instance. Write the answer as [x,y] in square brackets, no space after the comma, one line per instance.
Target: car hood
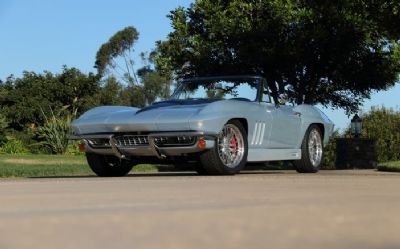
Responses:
[171,115]
[178,105]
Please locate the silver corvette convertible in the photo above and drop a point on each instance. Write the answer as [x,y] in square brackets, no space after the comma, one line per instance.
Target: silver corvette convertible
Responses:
[216,123]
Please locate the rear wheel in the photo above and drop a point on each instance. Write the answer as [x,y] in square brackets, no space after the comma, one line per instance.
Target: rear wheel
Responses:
[229,154]
[103,165]
[312,151]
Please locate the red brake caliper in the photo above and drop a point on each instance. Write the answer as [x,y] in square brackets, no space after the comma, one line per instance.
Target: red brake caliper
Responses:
[233,144]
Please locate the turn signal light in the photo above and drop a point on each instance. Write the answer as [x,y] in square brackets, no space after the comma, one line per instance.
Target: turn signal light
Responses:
[82,147]
[202,143]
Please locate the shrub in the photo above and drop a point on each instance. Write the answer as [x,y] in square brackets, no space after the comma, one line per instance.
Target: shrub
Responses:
[330,152]
[383,125]
[54,134]
[27,137]
[3,126]
[13,146]
[73,148]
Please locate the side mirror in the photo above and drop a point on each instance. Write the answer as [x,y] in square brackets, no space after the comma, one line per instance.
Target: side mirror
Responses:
[283,98]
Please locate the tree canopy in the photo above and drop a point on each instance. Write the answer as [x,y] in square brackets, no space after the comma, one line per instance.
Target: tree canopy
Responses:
[334,53]
[383,125]
[119,47]
[29,97]
[114,62]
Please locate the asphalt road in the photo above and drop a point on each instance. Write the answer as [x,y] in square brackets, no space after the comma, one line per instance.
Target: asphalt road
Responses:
[335,209]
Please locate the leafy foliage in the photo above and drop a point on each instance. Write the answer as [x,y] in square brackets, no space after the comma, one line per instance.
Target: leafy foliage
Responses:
[330,52]
[13,146]
[120,46]
[393,166]
[143,86]
[155,86]
[73,148]
[3,126]
[383,125]
[110,92]
[54,134]
[26,97]
[330,152]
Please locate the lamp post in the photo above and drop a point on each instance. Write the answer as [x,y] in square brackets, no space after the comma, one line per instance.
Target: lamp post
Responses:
[356,152]
[356,126]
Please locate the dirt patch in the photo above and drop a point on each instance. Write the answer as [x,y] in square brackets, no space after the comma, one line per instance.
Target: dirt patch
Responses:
[39,162]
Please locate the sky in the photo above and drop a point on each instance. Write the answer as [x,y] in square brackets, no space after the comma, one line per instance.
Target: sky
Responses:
[38,35]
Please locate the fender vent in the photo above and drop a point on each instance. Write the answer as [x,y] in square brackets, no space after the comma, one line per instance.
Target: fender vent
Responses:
[258,133]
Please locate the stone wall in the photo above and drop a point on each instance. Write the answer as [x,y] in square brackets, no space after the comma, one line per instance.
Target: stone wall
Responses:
[356,153]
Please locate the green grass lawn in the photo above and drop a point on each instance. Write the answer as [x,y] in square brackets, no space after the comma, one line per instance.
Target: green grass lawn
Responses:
[393,166]
[51,165]
[66,165]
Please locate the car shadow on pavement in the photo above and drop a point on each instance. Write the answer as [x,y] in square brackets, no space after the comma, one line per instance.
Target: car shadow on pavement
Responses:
[60,177]
[157,174]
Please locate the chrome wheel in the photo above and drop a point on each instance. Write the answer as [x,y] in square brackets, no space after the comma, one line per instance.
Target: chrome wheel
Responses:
[230,146]
[315,149]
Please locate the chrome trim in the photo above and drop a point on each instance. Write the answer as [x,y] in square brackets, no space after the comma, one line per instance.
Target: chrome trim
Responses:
[114,148]
[258,133]
[89,136]
[151,149]
[131,140]
[174,134]
[315,148]
[230,146]
[154,148]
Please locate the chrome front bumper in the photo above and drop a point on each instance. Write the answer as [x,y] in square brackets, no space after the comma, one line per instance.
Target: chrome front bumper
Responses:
[148,149]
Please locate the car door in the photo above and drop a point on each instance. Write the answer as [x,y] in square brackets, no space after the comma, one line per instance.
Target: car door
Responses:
[285,132]
[260,123]
[260,126]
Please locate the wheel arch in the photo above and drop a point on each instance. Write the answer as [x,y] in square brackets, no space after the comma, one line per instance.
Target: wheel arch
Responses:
[321,127]
[244,122]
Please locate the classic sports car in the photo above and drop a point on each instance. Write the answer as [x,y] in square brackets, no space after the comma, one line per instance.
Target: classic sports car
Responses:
[217,123]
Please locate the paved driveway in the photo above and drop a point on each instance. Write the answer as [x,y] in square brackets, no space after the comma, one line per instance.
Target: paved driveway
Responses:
[273,209]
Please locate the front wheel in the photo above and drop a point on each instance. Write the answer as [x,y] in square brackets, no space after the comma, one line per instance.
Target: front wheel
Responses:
[229,154]
[312,151]
[103,165]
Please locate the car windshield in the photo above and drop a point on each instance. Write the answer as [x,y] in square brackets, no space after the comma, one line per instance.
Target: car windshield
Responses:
[241,88]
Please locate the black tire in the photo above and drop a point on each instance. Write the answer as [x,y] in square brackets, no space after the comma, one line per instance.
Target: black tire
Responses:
[306,165]
[211,162]
[108,166]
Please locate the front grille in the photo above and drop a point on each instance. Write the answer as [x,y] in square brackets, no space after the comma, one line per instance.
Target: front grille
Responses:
[131,140]
[99,142]
[126,141]
[174,141]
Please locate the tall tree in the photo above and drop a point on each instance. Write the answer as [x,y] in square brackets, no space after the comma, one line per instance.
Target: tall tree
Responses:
[330,52]
[143,86]
[156,85]
[109,93]
[76,89]
[115,57]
